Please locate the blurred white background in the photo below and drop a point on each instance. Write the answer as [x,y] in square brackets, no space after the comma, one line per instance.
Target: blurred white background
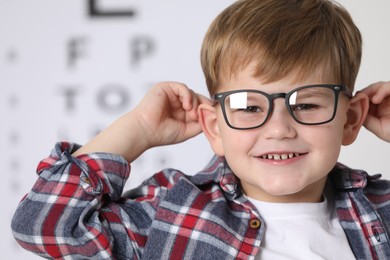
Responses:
[68,68]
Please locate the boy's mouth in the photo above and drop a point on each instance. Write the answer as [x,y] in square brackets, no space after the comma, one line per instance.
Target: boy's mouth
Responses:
[280,157]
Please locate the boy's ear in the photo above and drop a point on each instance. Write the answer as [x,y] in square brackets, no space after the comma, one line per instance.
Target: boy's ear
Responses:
[356,114]
[208,121]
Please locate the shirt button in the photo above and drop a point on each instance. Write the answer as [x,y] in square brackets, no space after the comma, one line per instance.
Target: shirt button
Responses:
[254,223]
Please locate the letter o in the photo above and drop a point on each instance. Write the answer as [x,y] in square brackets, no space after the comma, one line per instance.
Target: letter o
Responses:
[113,98]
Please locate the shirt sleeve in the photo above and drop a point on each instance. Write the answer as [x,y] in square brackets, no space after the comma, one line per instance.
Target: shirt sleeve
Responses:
[75,209]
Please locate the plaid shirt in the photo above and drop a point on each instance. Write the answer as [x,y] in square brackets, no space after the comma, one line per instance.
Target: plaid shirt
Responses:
[76,210]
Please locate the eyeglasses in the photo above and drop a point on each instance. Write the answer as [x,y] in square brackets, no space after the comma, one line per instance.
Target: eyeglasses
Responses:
[308,105]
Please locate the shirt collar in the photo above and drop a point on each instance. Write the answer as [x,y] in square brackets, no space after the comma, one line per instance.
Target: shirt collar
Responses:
[218,171]
[344,178]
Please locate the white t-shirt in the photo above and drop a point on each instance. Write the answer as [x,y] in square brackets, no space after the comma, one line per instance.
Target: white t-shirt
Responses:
[302,231]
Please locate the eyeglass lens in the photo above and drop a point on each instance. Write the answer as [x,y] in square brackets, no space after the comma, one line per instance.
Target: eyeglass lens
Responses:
[247,109]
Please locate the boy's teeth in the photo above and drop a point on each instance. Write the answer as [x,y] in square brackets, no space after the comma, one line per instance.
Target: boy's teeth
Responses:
[279,157]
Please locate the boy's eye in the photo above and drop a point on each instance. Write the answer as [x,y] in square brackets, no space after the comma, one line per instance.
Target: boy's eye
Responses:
[303,107]
[252,109]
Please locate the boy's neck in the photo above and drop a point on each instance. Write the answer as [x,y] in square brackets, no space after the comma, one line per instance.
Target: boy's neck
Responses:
[311,194]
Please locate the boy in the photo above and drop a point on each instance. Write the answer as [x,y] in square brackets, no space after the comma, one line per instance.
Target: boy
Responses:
[281,76]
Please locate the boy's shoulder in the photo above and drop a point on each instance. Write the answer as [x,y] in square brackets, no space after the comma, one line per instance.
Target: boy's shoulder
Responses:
[215,174]
[346,178]
[170,176]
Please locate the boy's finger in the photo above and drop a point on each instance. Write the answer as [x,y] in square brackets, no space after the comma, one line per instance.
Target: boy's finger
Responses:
[377,91]
[204,100]
[382,93]
[372,124]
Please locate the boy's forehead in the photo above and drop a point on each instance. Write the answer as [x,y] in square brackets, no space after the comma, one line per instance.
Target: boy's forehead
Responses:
[247,77]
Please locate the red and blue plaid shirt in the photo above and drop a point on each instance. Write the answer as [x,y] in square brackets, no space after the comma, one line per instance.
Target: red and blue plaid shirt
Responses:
[76,210]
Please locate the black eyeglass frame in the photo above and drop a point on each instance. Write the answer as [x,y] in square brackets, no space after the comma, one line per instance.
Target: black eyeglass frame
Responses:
[337,89]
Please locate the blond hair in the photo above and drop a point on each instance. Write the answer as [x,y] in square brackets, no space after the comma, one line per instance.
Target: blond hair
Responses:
[282,37]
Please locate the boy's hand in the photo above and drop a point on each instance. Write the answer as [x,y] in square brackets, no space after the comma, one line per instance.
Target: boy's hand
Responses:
[168,113]
[378,118]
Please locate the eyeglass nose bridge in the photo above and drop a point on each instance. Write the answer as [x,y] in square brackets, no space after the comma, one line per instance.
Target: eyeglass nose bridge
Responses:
[286,97]
[272,97]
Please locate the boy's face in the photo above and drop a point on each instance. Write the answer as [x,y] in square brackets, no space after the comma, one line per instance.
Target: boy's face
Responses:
[260,157]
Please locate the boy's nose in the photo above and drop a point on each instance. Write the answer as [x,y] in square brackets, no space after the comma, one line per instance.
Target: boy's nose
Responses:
[280,124]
